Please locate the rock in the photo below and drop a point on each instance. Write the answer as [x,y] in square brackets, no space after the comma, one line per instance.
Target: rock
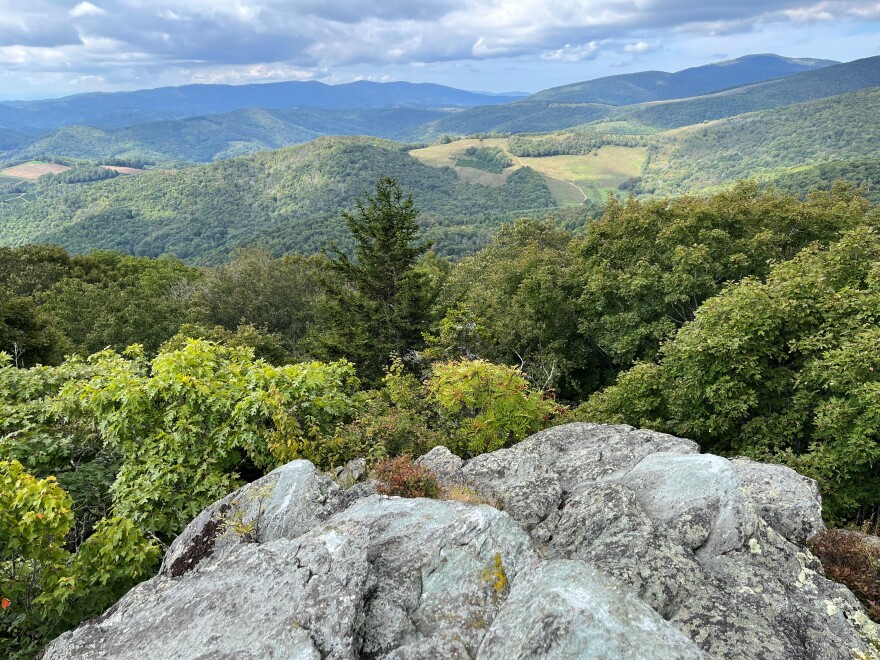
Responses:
[284,504]
[612,542]
[567,609]
[387,575]
[445,466]
[787,501]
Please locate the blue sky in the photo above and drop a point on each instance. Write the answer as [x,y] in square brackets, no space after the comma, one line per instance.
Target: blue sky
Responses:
[52,48]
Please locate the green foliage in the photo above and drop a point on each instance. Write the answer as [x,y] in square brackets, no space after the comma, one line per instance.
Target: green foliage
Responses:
[286,200]
[862,174]
[784,370]
[52,303]
[647,266]
[575,143]
[396,420]
[766,144]
[135,300]
[278,296]
[46,589]
[184,422]
[522,311]
[489,159]
[485,406]
[381,310]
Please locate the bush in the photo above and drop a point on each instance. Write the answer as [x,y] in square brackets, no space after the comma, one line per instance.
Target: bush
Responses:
[850,558]
[402,477]
[485,406]
[45,589]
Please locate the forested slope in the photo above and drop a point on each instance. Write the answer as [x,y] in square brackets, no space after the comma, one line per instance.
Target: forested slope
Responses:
[768,143]
[288,199]
[216,137]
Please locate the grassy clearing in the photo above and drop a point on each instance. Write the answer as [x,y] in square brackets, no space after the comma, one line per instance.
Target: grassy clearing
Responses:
[596,175]
[566,176]
[32,170]
[443,155]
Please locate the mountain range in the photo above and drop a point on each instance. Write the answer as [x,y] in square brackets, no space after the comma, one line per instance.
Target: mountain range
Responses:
[804,124]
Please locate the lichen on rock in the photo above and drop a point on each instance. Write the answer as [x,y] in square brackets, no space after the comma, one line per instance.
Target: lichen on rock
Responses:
[612,542]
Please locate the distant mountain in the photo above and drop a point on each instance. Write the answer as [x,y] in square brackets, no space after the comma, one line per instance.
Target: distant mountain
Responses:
[119,109]
[645,86]
[288,199]
[217,137]
[531,115]
[799,88]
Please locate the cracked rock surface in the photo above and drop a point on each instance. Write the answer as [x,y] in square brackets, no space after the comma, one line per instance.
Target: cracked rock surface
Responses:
[609,542]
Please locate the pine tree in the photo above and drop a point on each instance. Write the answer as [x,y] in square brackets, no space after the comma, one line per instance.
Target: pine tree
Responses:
[380,306]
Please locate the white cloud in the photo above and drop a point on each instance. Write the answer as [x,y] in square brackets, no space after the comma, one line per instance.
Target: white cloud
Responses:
[254,38]
[86,9]
[569,53]
[640,47]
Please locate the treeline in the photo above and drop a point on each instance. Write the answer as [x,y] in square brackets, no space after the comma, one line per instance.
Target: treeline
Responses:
[746,321]
[488,159]
[568,144]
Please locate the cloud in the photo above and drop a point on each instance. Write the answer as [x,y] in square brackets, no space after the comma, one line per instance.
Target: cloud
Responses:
[569,53]
[640,47]
[86,9]
[253,38]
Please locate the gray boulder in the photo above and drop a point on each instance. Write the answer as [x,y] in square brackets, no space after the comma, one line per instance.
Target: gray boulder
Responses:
[610,542]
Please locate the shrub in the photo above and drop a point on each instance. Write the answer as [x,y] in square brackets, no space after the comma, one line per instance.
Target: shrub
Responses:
[486,406]
[44,589]
[395,420]
[851,559]
[401,476]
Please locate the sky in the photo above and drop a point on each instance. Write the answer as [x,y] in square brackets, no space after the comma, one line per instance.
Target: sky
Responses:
[52,48]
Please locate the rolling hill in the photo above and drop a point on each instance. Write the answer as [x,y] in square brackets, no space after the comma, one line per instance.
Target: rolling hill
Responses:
[766,144]
[216,137]
[645,86]
[288,199]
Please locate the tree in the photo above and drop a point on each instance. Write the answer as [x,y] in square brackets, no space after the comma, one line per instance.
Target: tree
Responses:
[381,307]
[786,370]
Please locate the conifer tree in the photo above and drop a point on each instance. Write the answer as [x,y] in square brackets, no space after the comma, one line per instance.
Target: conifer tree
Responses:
[379,305]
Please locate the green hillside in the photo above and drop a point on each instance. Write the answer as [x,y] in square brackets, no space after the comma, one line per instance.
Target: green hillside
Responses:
[645,86]
[515,118]
[216,137]
[287,200]
[766,144]
[864,174]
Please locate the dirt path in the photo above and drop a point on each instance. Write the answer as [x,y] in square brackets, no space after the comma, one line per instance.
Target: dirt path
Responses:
[578,188]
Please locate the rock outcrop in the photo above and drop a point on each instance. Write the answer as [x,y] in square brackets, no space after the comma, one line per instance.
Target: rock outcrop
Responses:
[609,542]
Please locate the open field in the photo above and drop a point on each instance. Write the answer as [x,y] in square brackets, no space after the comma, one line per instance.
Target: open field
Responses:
[596,174]
[33,170]
[571,179]
[123,170]
[443,155]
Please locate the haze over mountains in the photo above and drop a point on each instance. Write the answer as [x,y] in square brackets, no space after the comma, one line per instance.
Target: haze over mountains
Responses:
[120,109]
[781,120]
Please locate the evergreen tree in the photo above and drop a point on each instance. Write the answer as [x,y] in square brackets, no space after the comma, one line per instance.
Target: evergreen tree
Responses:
[379,305]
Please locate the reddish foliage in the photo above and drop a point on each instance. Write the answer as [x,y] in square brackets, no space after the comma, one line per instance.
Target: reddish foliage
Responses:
[5,603]
[401,476]
[853,559]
